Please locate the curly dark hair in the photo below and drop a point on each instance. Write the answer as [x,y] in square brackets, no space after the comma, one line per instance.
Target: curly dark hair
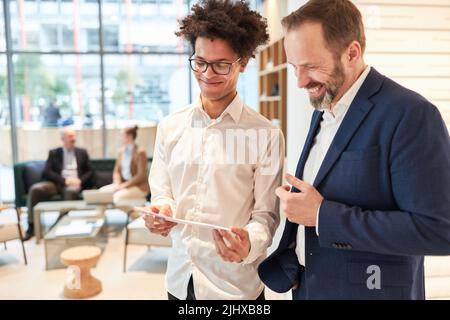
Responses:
[229,20]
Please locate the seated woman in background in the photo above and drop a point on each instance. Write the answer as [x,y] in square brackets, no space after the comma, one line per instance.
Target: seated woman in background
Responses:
[130,176]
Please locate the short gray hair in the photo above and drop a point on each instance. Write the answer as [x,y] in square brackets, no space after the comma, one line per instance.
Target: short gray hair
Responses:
[66,130]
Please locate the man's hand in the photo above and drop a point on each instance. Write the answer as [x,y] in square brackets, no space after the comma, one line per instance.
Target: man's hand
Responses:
[115,187]
[119,186]
[300,208]
[123,186]
[73,182]
[232,247]
[159,225]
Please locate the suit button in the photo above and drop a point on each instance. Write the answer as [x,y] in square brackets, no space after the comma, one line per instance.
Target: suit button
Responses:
[335,245]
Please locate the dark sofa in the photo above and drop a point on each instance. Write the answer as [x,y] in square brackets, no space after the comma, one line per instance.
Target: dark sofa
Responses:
[30,172]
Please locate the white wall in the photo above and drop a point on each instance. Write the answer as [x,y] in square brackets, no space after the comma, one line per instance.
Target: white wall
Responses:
[299,110]
[274,11]
[409,41]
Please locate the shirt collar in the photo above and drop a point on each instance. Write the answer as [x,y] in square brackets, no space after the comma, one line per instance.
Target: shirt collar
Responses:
[129,147]
[234,109]
[65,150]
[341,107]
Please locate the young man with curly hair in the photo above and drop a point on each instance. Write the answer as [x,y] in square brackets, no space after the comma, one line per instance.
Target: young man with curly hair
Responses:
[199,173]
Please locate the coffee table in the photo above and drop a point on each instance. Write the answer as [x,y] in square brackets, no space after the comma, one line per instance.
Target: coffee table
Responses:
[55,244]
[60,206]
[66,206]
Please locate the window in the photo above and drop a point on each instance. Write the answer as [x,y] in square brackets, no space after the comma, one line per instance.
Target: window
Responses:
[54,91]
[93,42]
[111,38]
[6,176]
[2,31]
[130,18]
[54,20]
[59,80]
[49,37]
[6,192]
[145,87]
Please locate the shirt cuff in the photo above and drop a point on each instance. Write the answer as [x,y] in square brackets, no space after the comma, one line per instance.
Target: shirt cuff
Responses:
[252,255]
[317,219]
[258,241]
[169,202]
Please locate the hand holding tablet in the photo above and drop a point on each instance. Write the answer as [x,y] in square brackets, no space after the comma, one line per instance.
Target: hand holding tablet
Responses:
[180,221]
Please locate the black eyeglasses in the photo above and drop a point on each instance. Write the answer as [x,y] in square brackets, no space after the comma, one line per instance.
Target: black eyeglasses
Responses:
[220,67]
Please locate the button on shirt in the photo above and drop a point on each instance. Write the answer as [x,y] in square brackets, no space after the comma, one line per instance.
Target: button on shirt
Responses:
[329,125]
[205,177]
[125,165]
[70,167]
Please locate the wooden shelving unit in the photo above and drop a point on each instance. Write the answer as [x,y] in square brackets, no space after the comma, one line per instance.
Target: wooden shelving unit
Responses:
[273,84]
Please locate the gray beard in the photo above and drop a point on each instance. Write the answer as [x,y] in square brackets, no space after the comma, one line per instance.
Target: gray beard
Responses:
[331,91]
[326,101]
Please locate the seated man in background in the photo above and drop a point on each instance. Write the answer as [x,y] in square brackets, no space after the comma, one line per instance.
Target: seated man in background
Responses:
[130,171]
[67,171]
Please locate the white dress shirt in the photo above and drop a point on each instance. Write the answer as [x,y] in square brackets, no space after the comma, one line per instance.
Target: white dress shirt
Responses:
[329,125]
[70,167]
[125,165]
[194,172]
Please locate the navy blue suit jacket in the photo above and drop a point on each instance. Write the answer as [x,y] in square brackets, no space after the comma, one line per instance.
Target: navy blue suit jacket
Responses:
[386,185]
[54,165]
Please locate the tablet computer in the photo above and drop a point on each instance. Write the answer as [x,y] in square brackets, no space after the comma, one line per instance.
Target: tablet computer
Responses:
[181,221]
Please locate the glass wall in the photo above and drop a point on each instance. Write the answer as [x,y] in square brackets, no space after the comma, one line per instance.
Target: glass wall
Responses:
[142,25]
[55,90]
[142,89]
[6,192]
[2,31]
[58,25]
[5,127]
[58,77]
[95,65]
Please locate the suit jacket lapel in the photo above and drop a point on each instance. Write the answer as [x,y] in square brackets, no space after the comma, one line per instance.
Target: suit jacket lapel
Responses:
[290,231]
[358,110]
[59,159]
[316,118]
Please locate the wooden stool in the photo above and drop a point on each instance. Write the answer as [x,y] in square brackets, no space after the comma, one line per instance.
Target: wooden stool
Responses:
[83,257]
